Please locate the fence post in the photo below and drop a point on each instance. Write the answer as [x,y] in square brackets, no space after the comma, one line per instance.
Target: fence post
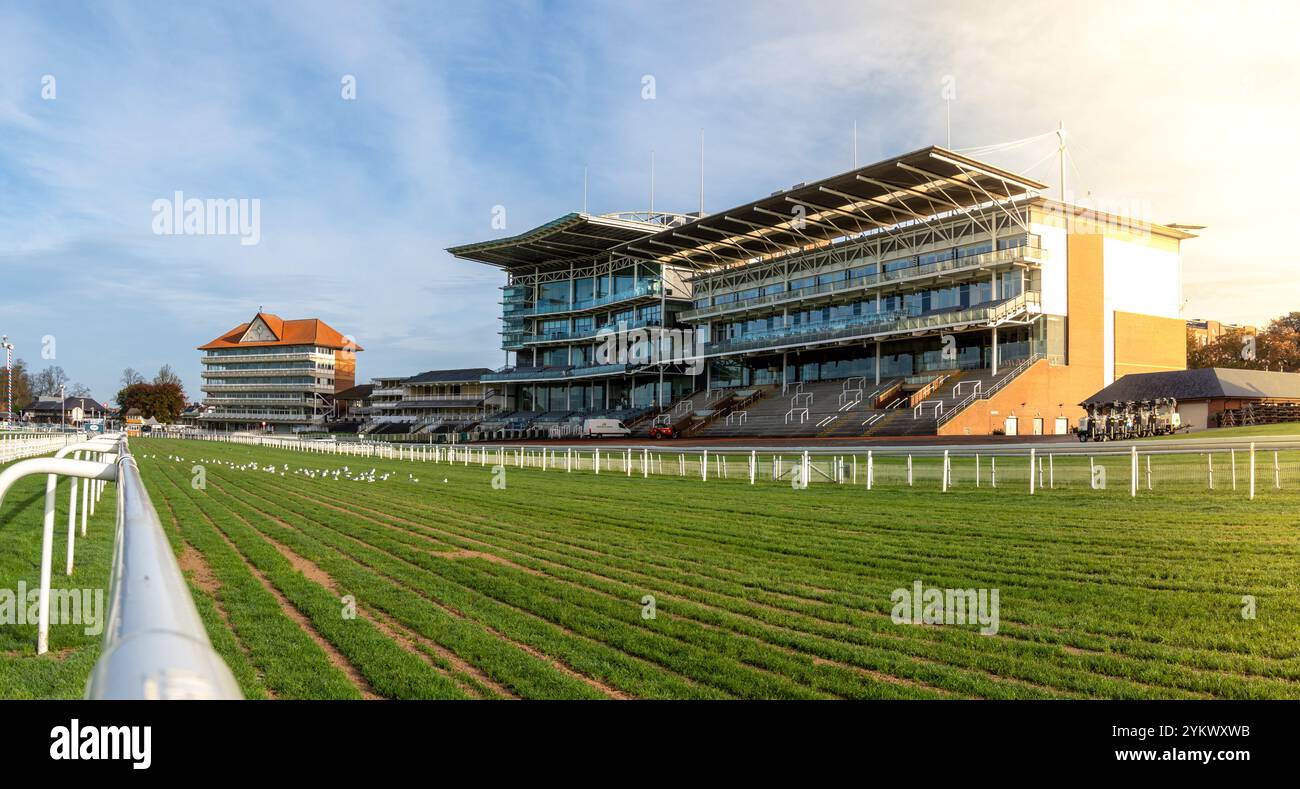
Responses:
[1252,471]
[807,471]
[977,469]
[1277,473]
[753,465]
[1209,469]
[871,469]
[704,466]
[597,461]
[1234,467]
[72,516]
[944,472]
[1149,471]
[993,471]
[1133,471]
[1051,471]
[909,469]
[1033,457]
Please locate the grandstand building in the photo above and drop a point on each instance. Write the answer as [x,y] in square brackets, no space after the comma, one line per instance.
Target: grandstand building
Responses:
[275,374]
[927,293]
[429,403]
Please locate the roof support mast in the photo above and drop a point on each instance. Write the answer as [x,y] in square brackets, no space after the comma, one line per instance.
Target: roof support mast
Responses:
[1060,153]
[701,173]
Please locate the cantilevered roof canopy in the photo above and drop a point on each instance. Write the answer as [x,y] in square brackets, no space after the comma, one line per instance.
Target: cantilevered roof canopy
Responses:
[569,238]
[912,187]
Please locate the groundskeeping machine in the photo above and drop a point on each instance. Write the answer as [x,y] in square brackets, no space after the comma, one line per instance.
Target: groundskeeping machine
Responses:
[1119,421]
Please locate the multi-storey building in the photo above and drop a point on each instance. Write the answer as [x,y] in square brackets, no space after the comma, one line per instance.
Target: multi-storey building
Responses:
[1203,332]
[567,291]
[930,284]
[275,374]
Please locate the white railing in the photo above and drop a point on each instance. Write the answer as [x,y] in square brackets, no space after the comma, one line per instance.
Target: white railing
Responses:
[155,644]
[919,411]
[981,393]
[16,446]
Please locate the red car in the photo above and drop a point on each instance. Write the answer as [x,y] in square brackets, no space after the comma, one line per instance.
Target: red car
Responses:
[662,431]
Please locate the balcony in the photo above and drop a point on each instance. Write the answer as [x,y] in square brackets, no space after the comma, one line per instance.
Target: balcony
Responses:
[557,373]
[974,263]
[879,325]
[256,371]
[644,289]
[304,387]
[570,335]
[227,358]
[257,416]
[268,400]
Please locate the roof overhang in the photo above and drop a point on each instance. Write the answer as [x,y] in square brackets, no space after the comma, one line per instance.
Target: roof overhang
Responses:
[563,241]
[914,187]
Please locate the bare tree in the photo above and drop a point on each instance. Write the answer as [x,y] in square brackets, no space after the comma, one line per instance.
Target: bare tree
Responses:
[131,376]
[167,376]
[49,381]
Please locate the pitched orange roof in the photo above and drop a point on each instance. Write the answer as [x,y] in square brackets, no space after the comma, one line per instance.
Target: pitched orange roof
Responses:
[308,331]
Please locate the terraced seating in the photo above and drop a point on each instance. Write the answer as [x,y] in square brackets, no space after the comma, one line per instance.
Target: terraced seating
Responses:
[794,412]
[956,388]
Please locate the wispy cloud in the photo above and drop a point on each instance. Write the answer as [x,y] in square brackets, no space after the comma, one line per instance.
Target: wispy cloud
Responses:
[461,107]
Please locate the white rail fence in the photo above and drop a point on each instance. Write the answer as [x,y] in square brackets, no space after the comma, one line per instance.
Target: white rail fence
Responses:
[155,644]
[1130,469]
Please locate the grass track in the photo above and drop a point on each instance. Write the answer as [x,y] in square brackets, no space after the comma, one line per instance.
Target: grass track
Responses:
[535,591]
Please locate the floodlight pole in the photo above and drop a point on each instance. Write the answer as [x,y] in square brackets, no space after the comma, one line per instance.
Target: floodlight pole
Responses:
[9,377]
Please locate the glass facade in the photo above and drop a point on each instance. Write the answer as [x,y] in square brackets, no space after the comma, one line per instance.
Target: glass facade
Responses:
[898,358]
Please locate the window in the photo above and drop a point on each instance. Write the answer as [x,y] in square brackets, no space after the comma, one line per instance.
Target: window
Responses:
[554,294]
[554,326]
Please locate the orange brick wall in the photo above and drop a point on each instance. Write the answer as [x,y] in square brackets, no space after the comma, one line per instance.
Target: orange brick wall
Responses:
[1046,390]
[1149,344]
[345,370]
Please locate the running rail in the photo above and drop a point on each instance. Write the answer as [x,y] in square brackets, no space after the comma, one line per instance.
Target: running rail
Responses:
[155,645]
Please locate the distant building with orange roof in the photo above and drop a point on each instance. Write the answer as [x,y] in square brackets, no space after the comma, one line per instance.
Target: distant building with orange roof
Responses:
[277,374]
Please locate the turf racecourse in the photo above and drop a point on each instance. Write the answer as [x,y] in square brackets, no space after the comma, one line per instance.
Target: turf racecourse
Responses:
[430,581]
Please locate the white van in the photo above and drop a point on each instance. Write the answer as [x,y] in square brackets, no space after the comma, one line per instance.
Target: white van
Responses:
[604,428]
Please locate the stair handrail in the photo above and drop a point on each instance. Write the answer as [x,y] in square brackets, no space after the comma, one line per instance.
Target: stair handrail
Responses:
[985,394]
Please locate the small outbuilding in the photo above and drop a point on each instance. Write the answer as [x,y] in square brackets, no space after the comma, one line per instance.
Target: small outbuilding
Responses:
[1213,396]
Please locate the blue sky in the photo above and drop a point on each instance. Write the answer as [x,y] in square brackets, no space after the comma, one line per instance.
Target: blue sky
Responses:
[461,107]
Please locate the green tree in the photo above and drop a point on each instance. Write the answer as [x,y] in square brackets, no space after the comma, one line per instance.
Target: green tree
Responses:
[163,402]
